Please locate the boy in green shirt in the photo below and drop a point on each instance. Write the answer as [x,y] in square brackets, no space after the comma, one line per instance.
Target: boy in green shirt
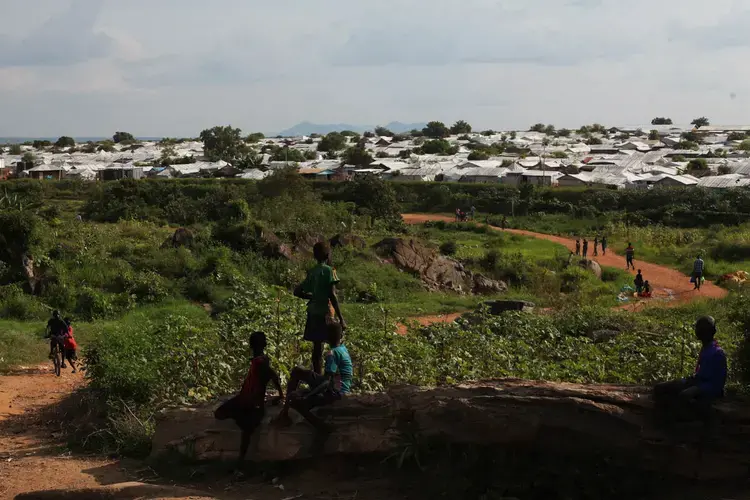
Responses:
[319,288]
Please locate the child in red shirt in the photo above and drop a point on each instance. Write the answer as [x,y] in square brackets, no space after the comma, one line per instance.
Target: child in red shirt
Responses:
[247,408]
[70,346]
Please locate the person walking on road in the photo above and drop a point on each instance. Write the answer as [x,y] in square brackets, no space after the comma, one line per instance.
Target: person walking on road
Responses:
[604,245]
[629,255]
[585,247]
[698,266]
[596,244]
[578,246]
[504,223]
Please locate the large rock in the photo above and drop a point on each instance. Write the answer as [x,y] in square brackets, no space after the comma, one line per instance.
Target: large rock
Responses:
[348,240]
[270,245]
[182,237]
[550,418]
[592,266]
[436,271]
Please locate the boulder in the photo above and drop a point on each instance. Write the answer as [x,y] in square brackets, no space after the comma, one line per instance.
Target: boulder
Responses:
[436,271]
[182,237]
[303,243]
[497,307]
[270,245]
[573,421]
[591,265]
[485,285]
[348,240]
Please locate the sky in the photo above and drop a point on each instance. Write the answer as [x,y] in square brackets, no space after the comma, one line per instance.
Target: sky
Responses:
[176,67]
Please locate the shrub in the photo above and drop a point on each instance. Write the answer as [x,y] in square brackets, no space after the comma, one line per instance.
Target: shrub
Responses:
[449,248]
[14,304]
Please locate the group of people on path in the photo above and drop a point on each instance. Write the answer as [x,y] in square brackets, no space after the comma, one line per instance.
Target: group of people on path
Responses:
[329,378]
[463,216]
[582,250]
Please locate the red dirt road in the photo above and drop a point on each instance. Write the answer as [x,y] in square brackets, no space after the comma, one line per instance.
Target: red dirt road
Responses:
[670,287]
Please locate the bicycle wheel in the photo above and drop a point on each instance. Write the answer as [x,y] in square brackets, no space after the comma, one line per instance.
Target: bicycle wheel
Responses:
[56,360]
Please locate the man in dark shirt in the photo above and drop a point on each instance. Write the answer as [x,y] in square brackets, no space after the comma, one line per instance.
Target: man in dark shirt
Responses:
[694,395]
[56,330]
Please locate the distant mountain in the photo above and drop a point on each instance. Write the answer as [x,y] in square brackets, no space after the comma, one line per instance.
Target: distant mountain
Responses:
[307,128]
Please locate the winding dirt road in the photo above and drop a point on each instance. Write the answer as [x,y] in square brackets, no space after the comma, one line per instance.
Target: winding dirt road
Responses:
[670,286]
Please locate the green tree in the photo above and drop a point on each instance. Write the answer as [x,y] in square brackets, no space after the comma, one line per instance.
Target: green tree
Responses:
[558,154]
[383,132]
[661,121]
[123,137]
[549,130]
[255,137]
[688,145]
[736,136]
[374,197]
[438,147]
[460,127]
[28,158]
[223,143]
[564,132]
[593,141]
[691,136]
[332,142]
[700,122]
[478,155]
[41,144]
[698,167]
[405,154]
[744,145]
[288,154]
[598,128]
[107,146]
[488,133]
[416,133]
[358,156]
[513,135]
[436,130]
[168,154]
[65,142]
[369,134]
[653,135]
[349,133]
[724,170]
[537,127]
[15,149]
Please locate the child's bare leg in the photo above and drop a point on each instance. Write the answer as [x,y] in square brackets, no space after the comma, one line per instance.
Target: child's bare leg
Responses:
[316,422]
[317,357]
[297,376]
[244,445]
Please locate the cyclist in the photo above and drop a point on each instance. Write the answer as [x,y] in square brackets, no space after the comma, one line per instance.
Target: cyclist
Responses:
[56,330]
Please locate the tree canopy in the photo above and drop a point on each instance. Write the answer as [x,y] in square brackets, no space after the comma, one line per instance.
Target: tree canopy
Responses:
[438,147]
[332,142]
[223,143]
[537,127]
[436,130]
[123,137]
[659,120]
[41,144]
[700,122]
[357,155]
[15,149]
[461,127]
[288,154]
[744,145]
[383,132]
[65,142]
[256,137]
[653,135]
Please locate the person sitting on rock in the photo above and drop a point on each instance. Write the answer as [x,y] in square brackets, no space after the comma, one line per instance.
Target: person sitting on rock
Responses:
[693,396]
[646,293]
[323,390]
[248,407]
[319,288]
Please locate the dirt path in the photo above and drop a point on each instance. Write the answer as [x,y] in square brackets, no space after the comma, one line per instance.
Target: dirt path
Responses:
[32,455]
[671,287]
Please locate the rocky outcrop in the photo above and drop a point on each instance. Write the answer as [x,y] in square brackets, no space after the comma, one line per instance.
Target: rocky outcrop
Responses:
[348,240]
[565,419]
[591,266]
[436,271]
[270,245]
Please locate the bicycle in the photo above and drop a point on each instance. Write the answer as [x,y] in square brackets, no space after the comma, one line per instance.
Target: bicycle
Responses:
[58,357]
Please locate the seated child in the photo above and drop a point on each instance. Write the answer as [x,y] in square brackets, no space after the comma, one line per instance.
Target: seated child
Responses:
[693,396]
[646,292]
[70,347]
[247,409]
[323,390]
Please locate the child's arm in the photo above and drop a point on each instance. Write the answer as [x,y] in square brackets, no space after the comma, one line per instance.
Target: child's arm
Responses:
[276,382]
[322,387]
[335,303]
[300,293]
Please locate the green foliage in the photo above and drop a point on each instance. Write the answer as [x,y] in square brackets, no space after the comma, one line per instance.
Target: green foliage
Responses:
[41,144]
[564,132]
[255,137]
[549,130]
[478,155]
[653,135]
[383,132]
[744,145]
[558,154]
[374,197]
[594,141]
[700,122]
[124,137]
[537,127]
[332,142]
[65,142]
[449,248]
[460,127]
[28,158]
[736,136]
[436,130]
[438,147]
[358,156]
[698,167]
[691,136]
[661,121]
[223,143]
[15,149]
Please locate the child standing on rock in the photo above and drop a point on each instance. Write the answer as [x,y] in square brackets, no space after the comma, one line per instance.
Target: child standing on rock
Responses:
[319,288]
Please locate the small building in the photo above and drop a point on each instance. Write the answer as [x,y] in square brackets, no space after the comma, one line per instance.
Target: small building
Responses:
[117,172]
[48,172]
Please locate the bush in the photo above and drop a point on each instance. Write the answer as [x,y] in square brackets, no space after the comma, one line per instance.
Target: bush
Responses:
[14,304]
[449,248]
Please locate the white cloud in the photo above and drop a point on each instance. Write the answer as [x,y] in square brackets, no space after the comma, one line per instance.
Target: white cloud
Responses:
[174,67]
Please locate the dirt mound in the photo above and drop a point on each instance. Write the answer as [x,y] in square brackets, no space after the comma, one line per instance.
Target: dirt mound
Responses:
[436,271]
